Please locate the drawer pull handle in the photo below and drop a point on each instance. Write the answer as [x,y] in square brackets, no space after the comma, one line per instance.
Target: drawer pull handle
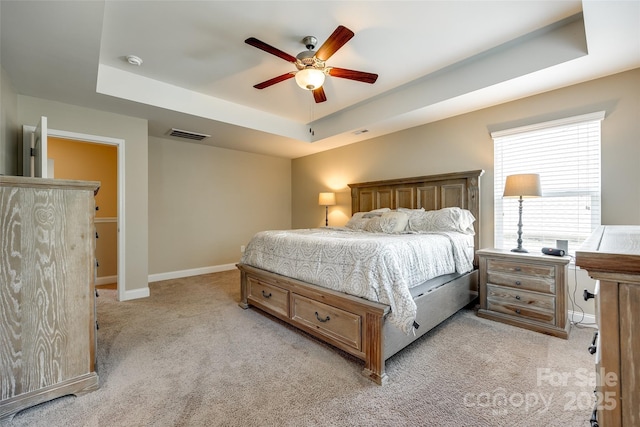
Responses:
[266,295]
[517,269]
[326,319]
[518,282]
[517,310]
[517,297]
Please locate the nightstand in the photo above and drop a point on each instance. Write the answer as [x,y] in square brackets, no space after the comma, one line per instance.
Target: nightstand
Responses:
[525,290]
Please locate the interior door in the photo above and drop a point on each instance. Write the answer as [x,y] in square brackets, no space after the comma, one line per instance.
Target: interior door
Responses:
[40,149]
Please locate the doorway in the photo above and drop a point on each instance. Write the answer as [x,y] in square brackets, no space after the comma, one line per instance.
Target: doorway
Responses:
[117,222]
[87,161]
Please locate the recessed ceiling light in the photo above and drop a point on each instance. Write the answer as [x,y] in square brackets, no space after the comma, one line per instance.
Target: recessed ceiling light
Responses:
[134,60]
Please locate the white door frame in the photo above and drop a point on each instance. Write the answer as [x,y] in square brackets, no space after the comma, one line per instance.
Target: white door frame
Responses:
[96,139]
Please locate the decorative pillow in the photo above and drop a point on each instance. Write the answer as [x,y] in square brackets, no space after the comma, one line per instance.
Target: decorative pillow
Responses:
[412,213]
[376,212]
[389,222]
[372,214]
[446,219]
[357,221]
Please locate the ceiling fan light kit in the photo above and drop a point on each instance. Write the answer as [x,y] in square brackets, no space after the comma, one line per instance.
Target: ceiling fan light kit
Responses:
[311,66]
[310,78]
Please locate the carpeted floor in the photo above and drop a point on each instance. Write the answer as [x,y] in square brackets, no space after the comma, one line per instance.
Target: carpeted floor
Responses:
[189,356]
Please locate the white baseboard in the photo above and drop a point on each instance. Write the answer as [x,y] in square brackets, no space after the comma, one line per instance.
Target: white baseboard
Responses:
[191,272]
[106,280]
[128,295]
[136,293]
[588,320]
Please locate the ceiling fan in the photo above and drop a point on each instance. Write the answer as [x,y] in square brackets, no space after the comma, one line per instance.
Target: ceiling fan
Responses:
[311,65]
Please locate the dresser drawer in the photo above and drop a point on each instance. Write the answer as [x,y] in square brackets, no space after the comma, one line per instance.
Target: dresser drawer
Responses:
[334,323]
[505,295]
[268,296]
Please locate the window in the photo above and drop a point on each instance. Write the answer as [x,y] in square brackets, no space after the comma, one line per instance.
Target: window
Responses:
[566,154]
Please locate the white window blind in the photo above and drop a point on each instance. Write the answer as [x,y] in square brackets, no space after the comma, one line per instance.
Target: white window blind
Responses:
[566,154]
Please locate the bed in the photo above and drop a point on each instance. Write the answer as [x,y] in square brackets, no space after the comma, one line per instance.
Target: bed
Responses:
[369,320]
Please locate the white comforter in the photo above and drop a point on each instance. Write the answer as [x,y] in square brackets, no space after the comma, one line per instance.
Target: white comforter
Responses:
[376,266]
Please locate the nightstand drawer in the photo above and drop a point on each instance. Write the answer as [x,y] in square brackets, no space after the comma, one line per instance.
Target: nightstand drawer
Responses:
[519,311]
[504,295]
[513,267]
[332,322]
[268,296]
[531,283]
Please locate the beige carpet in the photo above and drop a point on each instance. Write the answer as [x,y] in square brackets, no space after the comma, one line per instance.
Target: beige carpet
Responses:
[189,356]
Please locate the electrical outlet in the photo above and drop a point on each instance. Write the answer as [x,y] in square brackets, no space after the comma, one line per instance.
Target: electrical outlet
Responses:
[242,249]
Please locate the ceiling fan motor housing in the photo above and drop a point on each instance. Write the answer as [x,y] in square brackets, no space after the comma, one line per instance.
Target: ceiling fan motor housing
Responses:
[308,59]
[310,42]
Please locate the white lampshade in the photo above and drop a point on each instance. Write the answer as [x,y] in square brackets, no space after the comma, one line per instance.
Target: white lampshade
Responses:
[327,199]
[523,185]
[310,78]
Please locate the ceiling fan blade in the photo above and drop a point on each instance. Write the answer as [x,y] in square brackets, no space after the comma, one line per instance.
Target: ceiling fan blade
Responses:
[340,36]
[360,76]
[319,95]
[274,80]
[269,49]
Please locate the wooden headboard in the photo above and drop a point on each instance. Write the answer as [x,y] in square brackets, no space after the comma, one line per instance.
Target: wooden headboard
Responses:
[432,192]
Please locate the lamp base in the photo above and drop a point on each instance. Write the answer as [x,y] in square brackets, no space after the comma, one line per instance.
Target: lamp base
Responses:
[521,250]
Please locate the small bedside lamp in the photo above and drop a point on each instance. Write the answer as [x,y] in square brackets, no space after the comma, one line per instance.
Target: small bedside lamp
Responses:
[326,200]
[523,185]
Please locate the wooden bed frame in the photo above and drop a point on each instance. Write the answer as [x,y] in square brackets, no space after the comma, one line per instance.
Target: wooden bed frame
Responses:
[354,324]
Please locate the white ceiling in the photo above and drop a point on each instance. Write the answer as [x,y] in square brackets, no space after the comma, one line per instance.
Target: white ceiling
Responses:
[435,59]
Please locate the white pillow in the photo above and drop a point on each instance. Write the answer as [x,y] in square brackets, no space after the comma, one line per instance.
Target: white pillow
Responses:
[376,212]
[446,219]
[412,213]
[357,221]
[389,222]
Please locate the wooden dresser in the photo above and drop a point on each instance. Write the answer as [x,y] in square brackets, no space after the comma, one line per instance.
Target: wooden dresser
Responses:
[47,302]
[524,289]
[611,256]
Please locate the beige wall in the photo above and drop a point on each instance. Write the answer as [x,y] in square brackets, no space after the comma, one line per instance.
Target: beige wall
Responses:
[464,143]
[205,202]
[8,126]
[134,132]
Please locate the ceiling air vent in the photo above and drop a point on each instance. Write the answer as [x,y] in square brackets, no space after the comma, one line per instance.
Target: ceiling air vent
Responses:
[188,135]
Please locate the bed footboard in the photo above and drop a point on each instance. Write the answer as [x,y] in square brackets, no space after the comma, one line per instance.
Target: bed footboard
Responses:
[350,323]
